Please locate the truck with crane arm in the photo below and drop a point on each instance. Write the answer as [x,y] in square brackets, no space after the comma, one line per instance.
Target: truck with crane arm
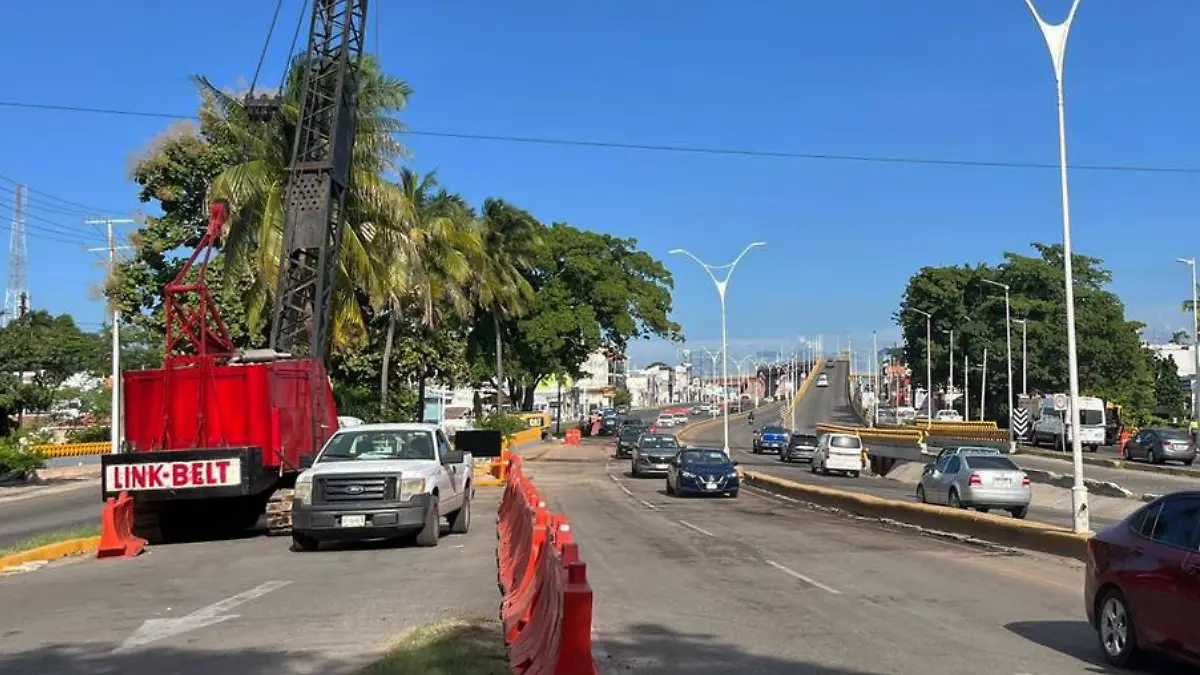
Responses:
[218,435]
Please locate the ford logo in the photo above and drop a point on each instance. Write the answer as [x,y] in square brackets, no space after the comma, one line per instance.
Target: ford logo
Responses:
[354,489]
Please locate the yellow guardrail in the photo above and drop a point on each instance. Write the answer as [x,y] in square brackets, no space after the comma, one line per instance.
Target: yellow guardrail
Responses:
[56,450]
[908,435]
[982,435]
[946,425]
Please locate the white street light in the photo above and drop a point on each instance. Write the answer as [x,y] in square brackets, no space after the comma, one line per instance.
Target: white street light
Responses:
[1012,438]
[1191,262]
[714,360]
[1055,36]
[722,287]
[928,360]
[1024,356]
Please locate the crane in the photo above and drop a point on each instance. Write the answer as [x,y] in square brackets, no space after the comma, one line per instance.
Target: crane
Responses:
[217,435]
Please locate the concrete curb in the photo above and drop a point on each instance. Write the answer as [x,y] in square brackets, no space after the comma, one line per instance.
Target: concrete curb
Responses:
[1113,463]
[54,551]
[1002,530]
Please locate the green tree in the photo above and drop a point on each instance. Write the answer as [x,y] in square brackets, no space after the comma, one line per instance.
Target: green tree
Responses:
[40,352]
[1168,394]
[1181,337]
[592,292]
[1111,365]
[622,397]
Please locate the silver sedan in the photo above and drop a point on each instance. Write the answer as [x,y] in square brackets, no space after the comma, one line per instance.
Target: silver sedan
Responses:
[982,482]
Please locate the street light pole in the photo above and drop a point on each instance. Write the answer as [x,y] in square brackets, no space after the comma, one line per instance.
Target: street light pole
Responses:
[1024,356]
[928,361]
[722,286]
[1055,36]
[1012,438]
[1191,262]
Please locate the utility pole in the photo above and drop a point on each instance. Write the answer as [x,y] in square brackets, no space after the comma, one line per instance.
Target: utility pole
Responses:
[115,417]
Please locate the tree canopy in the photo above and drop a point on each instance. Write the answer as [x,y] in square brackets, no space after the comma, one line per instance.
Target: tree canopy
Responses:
[429,288]
[1112,362]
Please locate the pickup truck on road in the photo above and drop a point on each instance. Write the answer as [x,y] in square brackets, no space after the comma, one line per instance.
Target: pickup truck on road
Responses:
[383,481]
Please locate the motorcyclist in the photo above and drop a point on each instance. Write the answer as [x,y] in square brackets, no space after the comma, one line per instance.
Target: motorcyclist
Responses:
[751,417]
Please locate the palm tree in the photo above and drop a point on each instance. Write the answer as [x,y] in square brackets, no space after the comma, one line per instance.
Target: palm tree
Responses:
[510,239]
[431,268]
[255,182]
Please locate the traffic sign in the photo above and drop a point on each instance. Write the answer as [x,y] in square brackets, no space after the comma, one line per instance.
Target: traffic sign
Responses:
[1060,402]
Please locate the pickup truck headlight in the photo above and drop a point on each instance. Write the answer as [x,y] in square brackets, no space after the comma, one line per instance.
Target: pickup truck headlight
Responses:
[410,487]
[303,491]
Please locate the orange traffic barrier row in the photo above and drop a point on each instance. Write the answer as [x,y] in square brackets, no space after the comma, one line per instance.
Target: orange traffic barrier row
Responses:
[116,529]
[547,601]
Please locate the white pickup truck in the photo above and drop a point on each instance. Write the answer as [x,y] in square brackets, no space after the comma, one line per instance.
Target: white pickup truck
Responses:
[383,481]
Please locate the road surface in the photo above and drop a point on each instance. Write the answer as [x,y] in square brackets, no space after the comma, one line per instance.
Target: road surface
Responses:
[48,510]
[279,613]
[755,585]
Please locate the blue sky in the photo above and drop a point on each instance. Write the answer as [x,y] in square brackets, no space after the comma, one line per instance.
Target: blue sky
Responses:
[935,78]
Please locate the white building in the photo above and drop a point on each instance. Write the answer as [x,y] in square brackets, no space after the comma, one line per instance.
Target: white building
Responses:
[1183,355]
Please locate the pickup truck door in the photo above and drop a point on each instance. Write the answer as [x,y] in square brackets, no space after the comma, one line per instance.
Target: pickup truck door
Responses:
[451,478]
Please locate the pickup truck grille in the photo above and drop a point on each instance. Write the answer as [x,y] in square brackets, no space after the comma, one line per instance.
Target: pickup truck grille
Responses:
[336,489]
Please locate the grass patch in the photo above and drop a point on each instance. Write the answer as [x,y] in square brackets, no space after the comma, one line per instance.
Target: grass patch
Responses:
[454,647]
[79,532]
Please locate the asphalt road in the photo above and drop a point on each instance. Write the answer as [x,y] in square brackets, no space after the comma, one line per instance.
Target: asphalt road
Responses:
[53,509]
[831,404]
[280,613]
[755,585]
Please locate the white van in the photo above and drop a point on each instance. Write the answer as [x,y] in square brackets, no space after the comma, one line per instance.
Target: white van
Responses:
[838,452]
[1048,428]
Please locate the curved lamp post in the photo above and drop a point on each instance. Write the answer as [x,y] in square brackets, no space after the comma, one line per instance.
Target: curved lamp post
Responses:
[722,286]
[1055,35]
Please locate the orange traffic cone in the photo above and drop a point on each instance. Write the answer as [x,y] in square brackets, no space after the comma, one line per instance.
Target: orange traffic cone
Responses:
[116,529]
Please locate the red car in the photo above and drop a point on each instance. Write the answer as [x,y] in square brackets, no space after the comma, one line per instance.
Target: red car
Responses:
[1142,586]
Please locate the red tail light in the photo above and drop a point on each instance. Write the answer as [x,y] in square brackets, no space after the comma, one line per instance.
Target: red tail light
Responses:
[975,480]
[1025,480]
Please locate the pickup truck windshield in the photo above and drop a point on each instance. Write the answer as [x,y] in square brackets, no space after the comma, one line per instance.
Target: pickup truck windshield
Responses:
[374,445]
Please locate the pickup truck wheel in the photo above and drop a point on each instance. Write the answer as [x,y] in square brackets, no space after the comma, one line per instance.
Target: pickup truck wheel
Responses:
[460,522]
[428,536]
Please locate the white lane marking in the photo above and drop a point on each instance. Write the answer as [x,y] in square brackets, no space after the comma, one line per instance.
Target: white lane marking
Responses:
[629,492]
[153,630]
[808,580]
[701,530]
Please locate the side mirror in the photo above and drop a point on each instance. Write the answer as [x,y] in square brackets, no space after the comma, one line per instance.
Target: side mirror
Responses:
[453,457]
[928,469]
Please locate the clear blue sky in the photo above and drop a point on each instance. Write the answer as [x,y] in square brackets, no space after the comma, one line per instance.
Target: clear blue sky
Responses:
[935,78]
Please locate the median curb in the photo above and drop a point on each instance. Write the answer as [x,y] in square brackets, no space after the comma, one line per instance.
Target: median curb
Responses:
[1112,463]
[53,551]
[1002,530]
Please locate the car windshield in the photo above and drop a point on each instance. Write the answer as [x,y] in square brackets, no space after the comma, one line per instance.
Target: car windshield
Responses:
[659,442]
[1171,434]
[706,457]
[349,446]
[804,439]
[774,430]
[990,462]
[1091,417]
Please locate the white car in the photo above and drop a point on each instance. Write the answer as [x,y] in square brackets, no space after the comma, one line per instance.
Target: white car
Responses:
[665,421]
[822,380]
[838,452]
[948,416]
[382,481]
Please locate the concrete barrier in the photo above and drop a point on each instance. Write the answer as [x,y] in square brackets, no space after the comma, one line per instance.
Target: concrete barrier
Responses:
[1002,530]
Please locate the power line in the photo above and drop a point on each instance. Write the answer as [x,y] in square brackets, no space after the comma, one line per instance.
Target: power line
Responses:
[47,225]
[86,209]
[680,149]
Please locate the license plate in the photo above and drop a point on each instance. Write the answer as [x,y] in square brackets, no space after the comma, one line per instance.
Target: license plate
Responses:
[354,521]
[710,486]
[1002,481]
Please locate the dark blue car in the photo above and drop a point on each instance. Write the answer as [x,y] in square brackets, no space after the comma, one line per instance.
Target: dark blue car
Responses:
[702,471]
[770,439]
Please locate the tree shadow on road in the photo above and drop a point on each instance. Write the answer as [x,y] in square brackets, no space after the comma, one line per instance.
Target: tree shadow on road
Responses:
[467,647]
[654,649]
[1077,639]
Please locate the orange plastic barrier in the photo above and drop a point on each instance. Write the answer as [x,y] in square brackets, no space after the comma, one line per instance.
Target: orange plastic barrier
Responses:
[573,436]
[547,605]
[116,529]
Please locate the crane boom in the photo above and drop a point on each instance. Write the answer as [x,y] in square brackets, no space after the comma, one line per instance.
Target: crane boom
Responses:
[318,178]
